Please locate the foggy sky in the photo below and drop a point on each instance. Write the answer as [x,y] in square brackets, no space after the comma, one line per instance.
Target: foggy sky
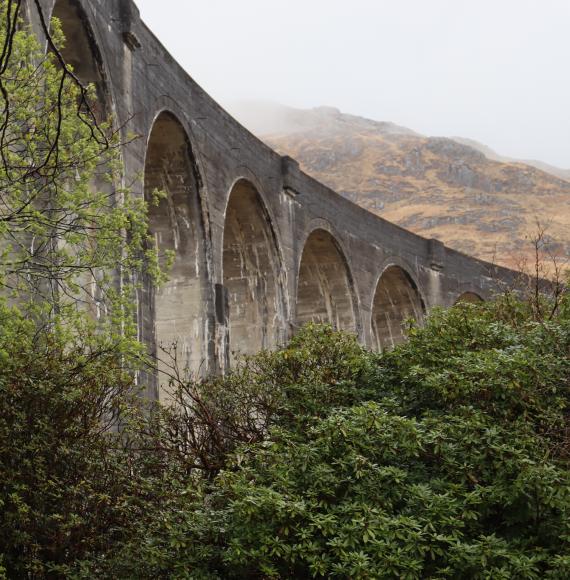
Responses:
[497,71]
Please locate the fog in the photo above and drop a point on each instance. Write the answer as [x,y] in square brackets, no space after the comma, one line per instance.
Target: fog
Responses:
[497,71]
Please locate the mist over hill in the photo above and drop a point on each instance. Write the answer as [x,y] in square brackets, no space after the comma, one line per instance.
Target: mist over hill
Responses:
[453,189]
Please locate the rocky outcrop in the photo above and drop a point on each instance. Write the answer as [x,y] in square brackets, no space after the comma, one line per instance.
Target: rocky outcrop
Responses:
[451,189]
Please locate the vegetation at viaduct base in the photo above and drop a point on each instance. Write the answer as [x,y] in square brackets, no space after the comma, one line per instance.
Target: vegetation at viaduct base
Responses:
[446,457]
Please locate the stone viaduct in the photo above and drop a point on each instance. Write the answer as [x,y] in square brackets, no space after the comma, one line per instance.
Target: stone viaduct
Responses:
[260,247]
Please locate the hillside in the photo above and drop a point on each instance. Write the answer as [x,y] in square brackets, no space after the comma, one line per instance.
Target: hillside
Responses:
[455,190]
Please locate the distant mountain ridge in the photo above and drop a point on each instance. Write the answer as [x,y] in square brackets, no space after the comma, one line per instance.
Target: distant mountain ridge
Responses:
[491,154]
[453,189]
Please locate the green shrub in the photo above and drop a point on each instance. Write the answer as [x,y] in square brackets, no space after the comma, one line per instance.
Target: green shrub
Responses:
[444,458]
[457,470]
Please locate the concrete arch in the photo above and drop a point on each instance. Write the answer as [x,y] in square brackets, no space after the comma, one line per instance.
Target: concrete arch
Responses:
[82,51]
[245,173]
[166,105]
[325,286]
[324,224]
[221,191]
[176,314]
[143,78]
[321,224]
[252,274]
[410,271]
[397,297]
[469,297]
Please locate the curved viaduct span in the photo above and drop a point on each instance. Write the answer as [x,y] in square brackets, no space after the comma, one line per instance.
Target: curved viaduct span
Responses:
[260,247]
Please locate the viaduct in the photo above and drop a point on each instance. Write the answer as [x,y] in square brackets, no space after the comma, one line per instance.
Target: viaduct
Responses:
[259,247]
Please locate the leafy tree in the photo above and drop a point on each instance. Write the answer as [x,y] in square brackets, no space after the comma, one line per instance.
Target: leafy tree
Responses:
[67,227]
[72,244]
[182,531]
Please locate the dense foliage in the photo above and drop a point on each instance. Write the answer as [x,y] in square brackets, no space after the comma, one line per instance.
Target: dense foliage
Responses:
[58,463]
[457,469]
[446,457]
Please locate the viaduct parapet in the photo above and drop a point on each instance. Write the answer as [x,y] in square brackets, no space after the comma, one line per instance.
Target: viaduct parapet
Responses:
[260,247]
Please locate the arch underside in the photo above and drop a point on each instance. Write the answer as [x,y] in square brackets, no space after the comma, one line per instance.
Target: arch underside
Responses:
[396,300]
[251,275]
[176,312]
[324,292]
[470,297]
[80,50]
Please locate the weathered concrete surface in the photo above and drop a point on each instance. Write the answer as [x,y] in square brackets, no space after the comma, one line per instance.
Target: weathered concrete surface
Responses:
[396,300]
[325,289]
[259,246]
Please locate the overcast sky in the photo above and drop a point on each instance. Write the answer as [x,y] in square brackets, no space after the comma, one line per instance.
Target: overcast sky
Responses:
[497,71]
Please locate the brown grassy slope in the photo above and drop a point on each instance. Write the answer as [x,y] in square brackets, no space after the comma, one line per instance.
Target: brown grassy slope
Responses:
[436,187]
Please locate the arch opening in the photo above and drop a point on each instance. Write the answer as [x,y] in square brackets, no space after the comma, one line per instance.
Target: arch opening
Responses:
[80,49]
[324,289]
[255,317]
[469,297]
[175,315]
[396,300]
